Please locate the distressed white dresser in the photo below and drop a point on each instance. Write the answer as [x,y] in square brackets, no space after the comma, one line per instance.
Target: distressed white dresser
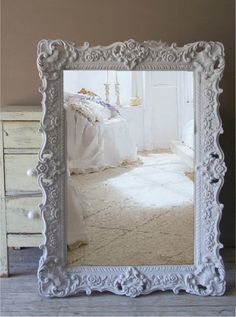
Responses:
[20,195]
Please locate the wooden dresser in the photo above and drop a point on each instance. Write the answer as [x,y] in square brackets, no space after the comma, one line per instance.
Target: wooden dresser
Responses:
[19,192]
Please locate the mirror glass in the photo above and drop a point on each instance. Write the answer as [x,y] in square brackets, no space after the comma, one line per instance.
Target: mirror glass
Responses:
[130,167]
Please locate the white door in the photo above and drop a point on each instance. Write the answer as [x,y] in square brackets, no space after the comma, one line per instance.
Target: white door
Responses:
[161,106]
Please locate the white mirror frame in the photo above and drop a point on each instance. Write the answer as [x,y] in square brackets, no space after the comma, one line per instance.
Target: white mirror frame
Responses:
[207,275]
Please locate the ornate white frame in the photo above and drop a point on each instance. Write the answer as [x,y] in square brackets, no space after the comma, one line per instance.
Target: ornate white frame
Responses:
[207,275]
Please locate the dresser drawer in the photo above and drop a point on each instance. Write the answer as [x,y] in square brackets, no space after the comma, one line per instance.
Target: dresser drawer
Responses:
[16,167]
[24,240]
[23,215]
[21,134]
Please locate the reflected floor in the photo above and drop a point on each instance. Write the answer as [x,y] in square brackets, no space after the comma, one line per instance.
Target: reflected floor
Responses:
[139,214]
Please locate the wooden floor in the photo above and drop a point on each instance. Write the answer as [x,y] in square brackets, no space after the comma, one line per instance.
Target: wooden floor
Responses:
[19,296]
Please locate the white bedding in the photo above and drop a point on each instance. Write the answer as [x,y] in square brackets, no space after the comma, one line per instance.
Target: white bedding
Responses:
[96,141]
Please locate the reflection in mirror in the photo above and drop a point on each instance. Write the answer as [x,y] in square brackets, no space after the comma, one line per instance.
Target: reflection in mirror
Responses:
[130,167]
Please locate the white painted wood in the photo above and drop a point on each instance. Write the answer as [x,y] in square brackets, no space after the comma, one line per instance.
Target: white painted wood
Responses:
[3,240]
[20,113]
[20,296]
[207,275]
[24,240]
[22,134]
[21,151]
[2,190]
[23,215]
[16,167]
[19,146]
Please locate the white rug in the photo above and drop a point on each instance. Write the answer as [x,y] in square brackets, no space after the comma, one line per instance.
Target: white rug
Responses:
[138,214]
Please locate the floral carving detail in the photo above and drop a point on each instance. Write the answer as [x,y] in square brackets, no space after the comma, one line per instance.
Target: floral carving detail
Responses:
[50,212]
[93,280]
[208,279]
[53,139]
[53,56]
[50,167]
[213,168]
[209,122]
[53,195]
[209,93]
[52,95]
[169,56]
[51,122]
[52,240]
[166,280]
[211,212]
[53,278]
[92,56]
[209,143]
[208,193]
[210,240]
[207,215]
[130,53]
[132,283]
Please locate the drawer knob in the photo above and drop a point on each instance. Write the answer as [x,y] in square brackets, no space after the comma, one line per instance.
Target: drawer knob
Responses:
[32,215]
[31,172]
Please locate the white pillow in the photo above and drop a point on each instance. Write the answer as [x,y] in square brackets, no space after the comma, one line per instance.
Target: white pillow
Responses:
[99,111]
[90,109]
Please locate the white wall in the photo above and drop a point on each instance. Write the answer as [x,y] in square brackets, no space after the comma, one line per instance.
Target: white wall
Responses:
[94,80]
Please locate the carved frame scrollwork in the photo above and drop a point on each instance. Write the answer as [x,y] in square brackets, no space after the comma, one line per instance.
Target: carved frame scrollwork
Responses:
[207,275]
